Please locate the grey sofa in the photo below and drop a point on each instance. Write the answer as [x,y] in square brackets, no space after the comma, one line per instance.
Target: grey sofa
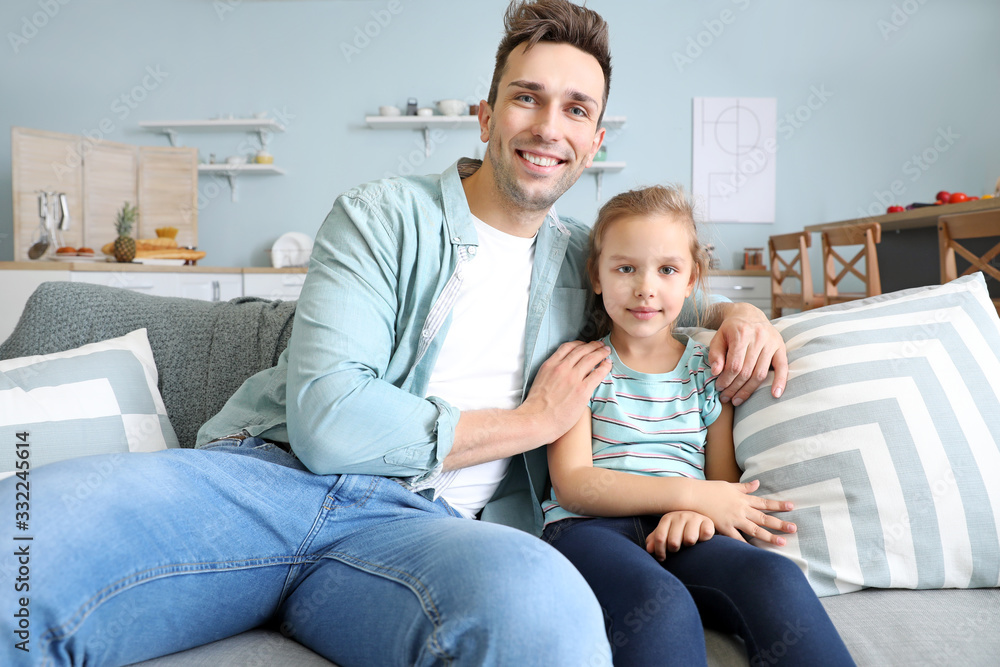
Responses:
[204,351]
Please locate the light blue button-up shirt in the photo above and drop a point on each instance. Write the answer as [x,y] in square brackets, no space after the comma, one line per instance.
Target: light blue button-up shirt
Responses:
[349,391]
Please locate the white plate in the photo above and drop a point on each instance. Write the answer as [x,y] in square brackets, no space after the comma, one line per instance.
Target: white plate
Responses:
[291,249]
[158,261]
[77,258]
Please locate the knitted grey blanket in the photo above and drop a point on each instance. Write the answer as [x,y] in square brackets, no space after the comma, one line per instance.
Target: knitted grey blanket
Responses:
[203,351]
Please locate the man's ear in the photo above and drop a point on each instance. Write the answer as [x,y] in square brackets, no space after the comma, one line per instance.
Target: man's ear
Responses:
[598,140]
[485,114]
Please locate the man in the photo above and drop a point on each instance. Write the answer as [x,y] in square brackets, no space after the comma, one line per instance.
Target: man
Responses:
[431,306]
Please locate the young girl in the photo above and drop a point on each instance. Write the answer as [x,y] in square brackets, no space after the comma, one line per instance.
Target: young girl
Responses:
[669,556]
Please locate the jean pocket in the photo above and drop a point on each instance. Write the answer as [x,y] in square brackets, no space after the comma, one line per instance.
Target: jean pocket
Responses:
[553,531]
[228,441]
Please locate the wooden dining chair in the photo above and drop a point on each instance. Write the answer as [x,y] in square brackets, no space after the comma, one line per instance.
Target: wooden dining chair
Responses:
[836,267]
[955,228]
[789,258]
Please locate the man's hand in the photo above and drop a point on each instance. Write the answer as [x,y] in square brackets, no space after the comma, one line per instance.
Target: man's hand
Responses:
[743,350]
[564,384]
[681,528]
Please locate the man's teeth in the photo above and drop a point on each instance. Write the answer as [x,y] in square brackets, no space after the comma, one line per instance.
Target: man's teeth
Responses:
[539,160]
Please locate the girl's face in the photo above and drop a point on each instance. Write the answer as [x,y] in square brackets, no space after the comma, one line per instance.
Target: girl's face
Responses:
[645,271]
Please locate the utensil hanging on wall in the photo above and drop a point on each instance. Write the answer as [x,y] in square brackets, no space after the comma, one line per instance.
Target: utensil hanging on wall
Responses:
[39,247]
[63,212]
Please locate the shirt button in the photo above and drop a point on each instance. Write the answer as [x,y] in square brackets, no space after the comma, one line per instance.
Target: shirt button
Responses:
[426,333]
[472,250]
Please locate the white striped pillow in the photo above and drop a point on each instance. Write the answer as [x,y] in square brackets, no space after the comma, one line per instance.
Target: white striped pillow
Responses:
[96,399]
[887,439]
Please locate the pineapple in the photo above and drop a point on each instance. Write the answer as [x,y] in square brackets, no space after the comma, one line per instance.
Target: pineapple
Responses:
[125,244]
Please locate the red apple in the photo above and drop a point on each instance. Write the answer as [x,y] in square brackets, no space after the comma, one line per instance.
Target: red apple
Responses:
[942,196]
[957,198]
[895,209]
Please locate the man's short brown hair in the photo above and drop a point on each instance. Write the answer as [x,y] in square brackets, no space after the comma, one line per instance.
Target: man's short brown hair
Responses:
[557,21]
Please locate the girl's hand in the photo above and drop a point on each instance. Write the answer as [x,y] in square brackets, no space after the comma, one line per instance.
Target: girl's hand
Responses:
[677,529]
[732,509]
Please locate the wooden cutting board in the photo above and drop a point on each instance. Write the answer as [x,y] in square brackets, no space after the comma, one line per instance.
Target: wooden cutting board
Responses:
[98,177]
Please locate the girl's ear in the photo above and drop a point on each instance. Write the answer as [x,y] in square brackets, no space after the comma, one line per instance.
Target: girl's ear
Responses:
[596,282]
[695,272]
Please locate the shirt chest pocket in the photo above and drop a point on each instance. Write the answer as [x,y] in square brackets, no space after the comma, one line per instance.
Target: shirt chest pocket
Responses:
[565,317]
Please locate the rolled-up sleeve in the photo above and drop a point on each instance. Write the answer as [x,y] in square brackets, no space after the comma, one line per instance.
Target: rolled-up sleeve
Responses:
[343,414]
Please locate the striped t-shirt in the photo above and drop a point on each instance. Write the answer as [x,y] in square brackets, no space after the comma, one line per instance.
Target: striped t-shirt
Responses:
[651,423]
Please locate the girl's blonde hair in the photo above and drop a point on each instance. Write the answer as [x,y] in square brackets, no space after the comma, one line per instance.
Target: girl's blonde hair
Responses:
[655,200]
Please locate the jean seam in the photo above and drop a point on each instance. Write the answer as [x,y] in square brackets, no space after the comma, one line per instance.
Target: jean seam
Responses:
[358,503]
[322,516]
[67,628]
[414,584]
[745,627]
[640,538]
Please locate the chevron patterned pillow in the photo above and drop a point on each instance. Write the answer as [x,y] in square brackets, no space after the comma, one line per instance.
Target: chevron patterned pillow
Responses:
[101,398]
[887,439]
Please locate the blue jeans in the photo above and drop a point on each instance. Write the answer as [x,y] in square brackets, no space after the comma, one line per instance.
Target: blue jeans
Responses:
[140,555]
[655,611]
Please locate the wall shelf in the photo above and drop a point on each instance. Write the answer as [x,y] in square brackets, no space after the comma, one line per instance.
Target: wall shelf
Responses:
[261,126]
[599,168]
[428,123]
[231,171]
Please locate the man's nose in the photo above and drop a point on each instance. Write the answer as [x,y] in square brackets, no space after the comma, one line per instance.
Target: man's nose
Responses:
[548,125]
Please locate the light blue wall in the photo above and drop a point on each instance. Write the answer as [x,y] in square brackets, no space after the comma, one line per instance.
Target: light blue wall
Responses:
[891,93]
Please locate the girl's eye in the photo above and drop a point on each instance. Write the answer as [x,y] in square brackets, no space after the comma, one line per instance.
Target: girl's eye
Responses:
[625,269]
[668,270]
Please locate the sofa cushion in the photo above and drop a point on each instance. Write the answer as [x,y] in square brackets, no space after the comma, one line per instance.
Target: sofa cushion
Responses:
[879,627]
[887,439]
[204,351]
[896,627]
[100,398]
[254,647]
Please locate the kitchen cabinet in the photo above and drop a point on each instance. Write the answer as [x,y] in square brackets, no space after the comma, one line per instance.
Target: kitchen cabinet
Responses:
[271,285]
[203,286]
[753,287]
[19,279]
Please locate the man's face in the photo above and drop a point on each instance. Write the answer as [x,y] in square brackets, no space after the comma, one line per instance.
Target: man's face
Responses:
[542,131]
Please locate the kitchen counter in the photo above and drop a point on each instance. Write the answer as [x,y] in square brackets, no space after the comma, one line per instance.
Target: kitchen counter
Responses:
[925,216]
[55,265]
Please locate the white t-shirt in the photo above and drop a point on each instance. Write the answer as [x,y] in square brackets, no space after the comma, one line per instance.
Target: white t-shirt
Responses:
[481,363]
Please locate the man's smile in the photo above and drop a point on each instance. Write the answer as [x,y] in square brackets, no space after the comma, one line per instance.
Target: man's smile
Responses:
[539,160]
